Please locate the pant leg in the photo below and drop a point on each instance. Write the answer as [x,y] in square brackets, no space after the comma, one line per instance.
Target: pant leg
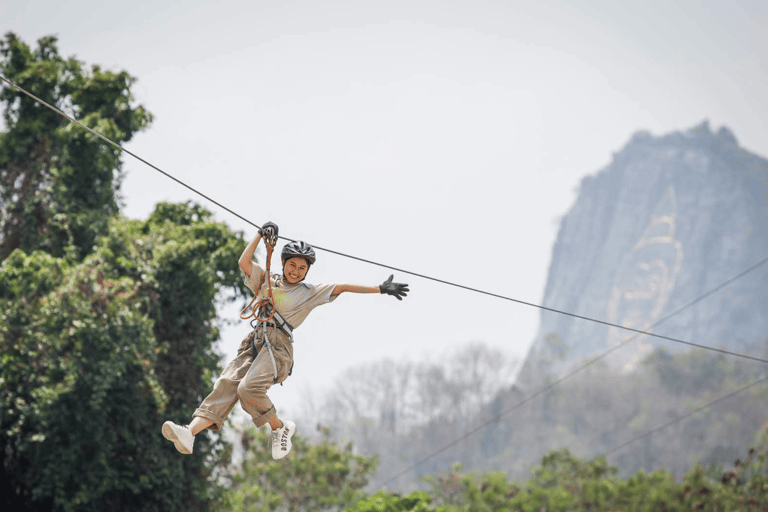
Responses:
[223,398]
[253,388]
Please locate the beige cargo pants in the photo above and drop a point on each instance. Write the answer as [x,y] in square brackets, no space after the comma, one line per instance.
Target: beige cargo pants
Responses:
[247,379]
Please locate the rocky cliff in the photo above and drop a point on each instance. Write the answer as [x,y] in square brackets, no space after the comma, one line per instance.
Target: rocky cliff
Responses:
[669,219]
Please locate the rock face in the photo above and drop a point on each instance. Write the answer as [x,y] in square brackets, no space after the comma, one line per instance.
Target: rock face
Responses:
[670,219]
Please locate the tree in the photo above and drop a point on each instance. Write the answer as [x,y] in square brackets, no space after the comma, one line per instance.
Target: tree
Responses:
[107,324]
[97,353]
[58,183]
[388,502]
[458,492]
[404,410]
[562,482]
[315,477]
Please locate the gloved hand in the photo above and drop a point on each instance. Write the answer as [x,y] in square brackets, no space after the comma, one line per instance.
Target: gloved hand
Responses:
[396,289]
[269,230]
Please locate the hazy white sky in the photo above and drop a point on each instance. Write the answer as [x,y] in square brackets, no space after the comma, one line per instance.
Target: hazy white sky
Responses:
[442,137]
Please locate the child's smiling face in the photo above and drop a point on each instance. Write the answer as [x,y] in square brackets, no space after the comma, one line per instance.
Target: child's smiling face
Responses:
[295,269]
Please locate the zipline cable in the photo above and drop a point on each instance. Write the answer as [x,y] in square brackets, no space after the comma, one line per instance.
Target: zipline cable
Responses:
[423,276]
[752,384]
[637,331]
[567,376]
[121,148]
[688,414]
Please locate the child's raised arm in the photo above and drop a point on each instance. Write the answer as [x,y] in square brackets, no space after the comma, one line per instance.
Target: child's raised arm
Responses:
[246,259]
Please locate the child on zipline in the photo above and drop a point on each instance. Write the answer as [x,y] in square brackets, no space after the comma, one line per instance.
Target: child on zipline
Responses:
[265,356]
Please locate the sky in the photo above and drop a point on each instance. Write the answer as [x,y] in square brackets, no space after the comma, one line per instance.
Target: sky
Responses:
[446,138]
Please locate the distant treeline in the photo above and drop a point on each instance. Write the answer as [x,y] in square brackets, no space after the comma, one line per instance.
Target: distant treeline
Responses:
[406,412]
[325,476]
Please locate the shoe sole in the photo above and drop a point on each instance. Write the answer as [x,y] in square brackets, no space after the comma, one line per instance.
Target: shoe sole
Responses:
[170,435]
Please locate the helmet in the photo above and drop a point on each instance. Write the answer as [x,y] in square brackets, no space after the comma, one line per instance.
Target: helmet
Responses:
[301,249]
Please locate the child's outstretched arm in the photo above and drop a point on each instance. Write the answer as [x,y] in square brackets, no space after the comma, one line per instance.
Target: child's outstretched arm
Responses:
[398,290]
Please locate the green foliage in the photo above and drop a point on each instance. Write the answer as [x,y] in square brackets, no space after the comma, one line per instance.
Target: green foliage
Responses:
[388,502]
[183,262]
[565,483]
[95,354]
[458,492]
[599,408]
[689,372]
[74,361]
[107,323]
[58,183]
[315,477]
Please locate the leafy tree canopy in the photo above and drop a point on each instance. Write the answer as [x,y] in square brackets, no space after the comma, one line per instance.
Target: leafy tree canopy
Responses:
[315,477]
[58,183]
[562,482]
[96,354]
[107,324]
[390,502]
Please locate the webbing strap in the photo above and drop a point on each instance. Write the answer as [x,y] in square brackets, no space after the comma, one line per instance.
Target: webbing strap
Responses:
[271,354]
[279,322]
[266,305]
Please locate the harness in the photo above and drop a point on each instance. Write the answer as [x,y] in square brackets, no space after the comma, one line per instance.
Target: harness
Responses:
[264,313]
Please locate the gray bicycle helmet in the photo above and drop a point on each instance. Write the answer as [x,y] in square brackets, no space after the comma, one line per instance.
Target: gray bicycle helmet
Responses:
[301,249]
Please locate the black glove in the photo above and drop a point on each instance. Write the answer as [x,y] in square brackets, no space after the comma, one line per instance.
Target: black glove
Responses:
[396,289]
[269,230]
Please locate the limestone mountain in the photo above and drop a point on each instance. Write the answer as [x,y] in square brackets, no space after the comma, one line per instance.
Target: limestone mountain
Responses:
[668,220]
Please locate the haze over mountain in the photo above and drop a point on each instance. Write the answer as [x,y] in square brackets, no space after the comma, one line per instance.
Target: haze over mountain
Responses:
[669,219]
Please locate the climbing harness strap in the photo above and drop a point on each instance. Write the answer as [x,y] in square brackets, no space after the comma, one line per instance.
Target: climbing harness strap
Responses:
[279,322]
[255,346]
[268,344]
[266,306]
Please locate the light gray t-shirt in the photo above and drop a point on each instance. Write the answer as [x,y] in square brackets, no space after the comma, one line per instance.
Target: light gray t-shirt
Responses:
[294,302]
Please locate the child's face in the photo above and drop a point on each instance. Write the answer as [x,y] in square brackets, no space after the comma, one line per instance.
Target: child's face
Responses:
[295,269]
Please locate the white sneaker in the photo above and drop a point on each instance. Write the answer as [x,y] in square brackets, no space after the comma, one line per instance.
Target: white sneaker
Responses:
[281,439]
[180,435]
